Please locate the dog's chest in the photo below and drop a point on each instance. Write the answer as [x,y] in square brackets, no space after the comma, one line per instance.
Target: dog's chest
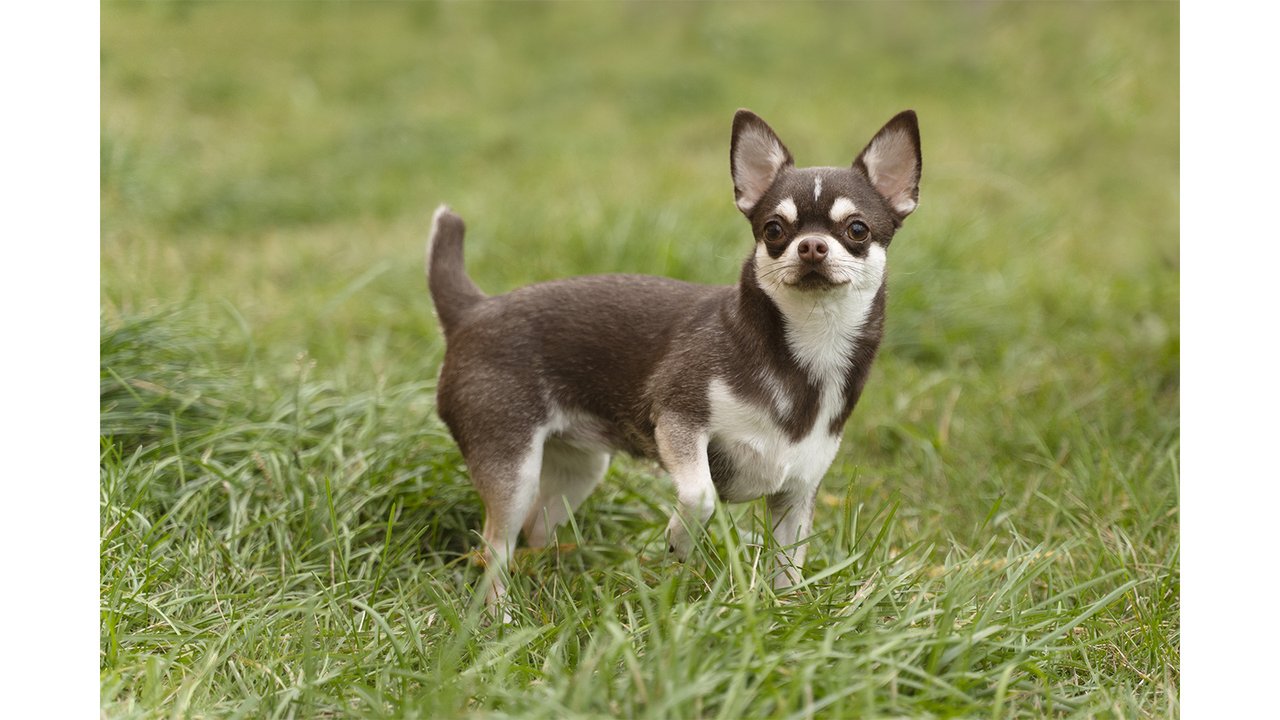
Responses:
[755,456]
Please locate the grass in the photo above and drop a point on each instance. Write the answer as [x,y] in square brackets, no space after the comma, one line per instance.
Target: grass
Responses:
[286,526]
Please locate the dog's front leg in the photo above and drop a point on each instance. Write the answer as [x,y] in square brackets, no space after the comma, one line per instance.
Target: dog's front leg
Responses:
[683,448]
[791,514]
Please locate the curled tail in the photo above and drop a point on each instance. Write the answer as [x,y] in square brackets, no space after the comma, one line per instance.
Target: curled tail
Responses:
[451,290]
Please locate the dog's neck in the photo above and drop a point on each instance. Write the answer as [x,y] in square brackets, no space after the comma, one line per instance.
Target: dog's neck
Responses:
[821,330]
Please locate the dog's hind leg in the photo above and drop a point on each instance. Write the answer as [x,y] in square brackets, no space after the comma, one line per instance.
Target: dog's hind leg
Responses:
[509,488]
[569,474]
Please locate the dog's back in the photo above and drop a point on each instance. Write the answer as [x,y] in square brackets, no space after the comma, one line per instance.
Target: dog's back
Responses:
[581,348]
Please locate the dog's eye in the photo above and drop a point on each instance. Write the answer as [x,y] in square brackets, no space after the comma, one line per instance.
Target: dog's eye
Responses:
[857,231]
[772,231]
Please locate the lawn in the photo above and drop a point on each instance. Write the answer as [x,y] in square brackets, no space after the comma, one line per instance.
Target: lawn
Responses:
[287,528]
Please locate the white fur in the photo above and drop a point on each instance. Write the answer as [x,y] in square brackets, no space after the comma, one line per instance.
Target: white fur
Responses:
[787,209]
[693,483]
[504,519]
[823,325]
[569,474]
[568,457]
[765,458]
[776,274]
[842,208]
[435,230]
[691,473]
[782,402]
[817,188]
[579,429]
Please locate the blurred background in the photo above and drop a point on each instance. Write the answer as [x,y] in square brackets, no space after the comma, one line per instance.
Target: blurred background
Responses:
[286,157]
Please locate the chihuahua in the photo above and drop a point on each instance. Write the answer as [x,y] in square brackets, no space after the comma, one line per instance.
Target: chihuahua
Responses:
[740,391]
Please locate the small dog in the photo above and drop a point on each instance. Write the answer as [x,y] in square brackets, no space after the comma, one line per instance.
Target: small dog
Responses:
[740,391]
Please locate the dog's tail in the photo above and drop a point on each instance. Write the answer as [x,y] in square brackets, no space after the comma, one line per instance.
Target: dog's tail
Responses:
[451,290]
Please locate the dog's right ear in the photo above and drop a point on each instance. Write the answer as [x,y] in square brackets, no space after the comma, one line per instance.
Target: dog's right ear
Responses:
[755,157]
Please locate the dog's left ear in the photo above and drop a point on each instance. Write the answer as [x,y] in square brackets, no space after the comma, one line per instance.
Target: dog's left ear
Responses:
[755,157]
[892,162]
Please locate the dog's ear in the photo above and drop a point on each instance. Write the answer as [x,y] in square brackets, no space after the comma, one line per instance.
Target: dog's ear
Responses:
[891,162]
[755,157]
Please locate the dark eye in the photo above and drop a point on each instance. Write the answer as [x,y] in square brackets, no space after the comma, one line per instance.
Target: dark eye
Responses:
[772,231]
[857,231]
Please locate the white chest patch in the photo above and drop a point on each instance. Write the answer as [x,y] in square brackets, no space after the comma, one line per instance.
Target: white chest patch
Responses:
[765,460]
[822,328]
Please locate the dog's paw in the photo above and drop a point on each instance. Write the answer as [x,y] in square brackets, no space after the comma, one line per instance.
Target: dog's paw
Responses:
[678,541]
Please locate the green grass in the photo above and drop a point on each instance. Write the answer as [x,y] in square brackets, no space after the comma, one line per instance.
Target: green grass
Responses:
[286,525]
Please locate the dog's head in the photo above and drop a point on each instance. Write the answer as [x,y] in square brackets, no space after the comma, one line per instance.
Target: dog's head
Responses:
[825,228]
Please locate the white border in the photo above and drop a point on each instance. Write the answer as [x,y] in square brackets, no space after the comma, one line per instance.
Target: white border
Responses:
[1230,359]
[49,142]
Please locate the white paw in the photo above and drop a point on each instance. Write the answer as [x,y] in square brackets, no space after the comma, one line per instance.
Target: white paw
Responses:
[679,543]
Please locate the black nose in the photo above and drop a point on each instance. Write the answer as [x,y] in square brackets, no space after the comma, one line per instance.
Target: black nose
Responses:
[812,250]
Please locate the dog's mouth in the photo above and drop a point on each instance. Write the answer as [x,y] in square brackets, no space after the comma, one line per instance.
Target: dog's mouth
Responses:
[813,279]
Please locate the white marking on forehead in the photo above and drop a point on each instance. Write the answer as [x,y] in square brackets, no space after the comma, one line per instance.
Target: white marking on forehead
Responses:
[842,208]
[817,188]
[787,209]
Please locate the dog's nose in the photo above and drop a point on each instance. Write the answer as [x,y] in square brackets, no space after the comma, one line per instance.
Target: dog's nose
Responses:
[812,250]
